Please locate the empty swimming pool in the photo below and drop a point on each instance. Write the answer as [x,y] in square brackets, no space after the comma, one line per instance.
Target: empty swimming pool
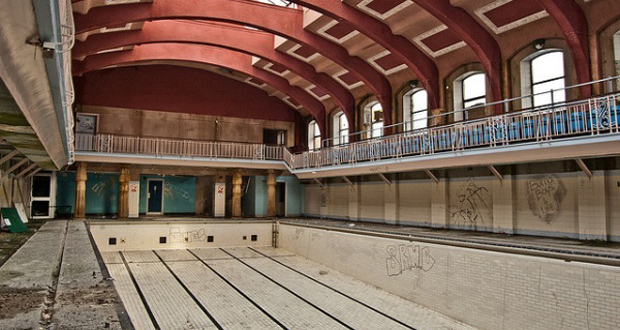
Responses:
[265,275]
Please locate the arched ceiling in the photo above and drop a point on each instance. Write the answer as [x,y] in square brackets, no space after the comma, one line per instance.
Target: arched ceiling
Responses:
[326,54]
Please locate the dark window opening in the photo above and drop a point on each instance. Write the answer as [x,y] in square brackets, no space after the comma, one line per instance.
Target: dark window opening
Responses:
[112,241]
[162,240]
[209,238]
[254,238]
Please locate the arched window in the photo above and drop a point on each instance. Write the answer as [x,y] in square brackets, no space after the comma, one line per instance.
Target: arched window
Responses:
[540,73]
[415,109]
[374,119]
[314,136]
[341,129]
[469,92]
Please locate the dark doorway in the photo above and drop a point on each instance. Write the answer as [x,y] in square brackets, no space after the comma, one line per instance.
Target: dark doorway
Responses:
[280,199]
[273,137]
[155,196]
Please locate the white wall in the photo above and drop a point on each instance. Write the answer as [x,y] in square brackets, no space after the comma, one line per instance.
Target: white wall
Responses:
[553,204]
[489,290]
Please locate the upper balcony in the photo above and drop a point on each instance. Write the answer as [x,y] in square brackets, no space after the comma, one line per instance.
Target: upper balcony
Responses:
[108,148]
[571,130]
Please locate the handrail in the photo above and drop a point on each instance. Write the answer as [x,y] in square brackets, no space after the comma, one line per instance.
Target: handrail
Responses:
[110,143]
[593,116]
[590,117]
[505,105]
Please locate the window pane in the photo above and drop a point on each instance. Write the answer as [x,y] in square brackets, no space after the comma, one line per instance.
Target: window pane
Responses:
[474,86]
[547,66]
[474,102]
[344,136]
[420,119]
[377,129]
[344,123]
[41,186]
[40,208]
[544,99]
[419,101]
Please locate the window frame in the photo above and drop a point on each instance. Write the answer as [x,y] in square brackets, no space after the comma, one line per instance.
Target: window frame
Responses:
[460,112]
[409,111]
[527,78]
[314,132]
[341,135]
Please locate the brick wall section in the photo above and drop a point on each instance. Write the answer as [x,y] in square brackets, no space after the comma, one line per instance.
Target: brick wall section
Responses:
[485,289]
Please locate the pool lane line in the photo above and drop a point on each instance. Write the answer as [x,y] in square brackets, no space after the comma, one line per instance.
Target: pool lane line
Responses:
[335,290]
[291,291]
[239,290]
[189,292]
[142,297]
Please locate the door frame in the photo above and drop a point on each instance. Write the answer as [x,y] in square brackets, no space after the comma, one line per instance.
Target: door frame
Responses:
[148,197]
[285,198]
[51,199]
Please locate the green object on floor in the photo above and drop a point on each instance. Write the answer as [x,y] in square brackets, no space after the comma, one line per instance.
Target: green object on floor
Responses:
[11,219]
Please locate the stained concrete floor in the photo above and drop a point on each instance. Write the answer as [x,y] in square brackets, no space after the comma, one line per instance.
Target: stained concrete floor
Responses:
[54,281]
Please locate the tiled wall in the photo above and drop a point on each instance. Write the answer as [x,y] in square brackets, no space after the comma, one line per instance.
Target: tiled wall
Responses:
[550,204]
[179,235]
[489,290]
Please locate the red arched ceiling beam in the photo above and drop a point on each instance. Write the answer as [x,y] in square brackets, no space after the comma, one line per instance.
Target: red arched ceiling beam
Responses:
[252,42]
[574,25]
[475,36]
[424,68]
[204,54]
[278,20]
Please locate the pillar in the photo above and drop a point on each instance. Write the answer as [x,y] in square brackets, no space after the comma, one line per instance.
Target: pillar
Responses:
[271,194]
[219,196]
[80,191]
[439,204]
[123,197]
[504,202]
[354,198]
[592,206]
[237,180]
[390,202]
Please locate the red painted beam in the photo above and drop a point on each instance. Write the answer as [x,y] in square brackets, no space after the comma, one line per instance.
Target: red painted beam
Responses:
[236,38]
[274,19]
[421,65]
[204,54]
[475,36]
[574,25]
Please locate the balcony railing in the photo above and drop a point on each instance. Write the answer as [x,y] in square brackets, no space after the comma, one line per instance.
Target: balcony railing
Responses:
[595,116]
[115,144]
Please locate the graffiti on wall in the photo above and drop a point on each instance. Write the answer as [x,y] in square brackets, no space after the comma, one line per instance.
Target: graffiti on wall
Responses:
[545,195]
[472,206]
[171,191]
[178,236]
[323,200]
[102,187]
[408,258]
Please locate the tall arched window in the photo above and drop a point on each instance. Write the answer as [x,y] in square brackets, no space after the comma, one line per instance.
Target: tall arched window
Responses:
[314,136]
[374,118]
[415,109]
[469,92]
[540,73]
[341,129]
[548,74]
